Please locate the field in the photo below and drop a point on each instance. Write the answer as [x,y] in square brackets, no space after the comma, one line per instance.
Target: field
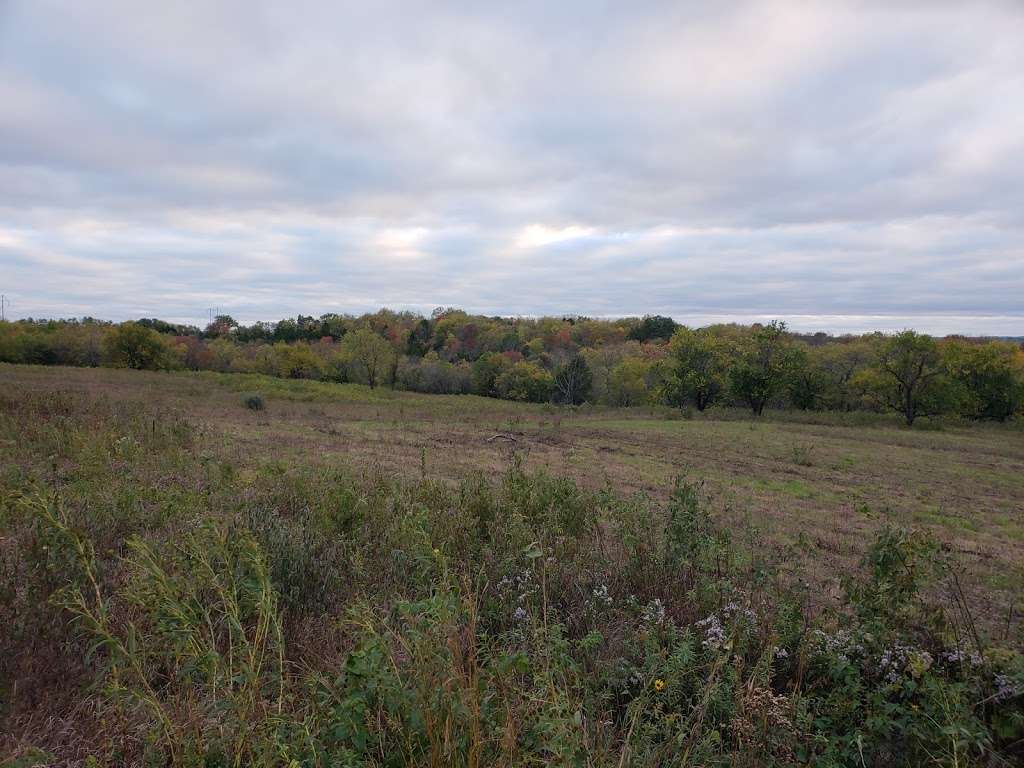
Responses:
[803,494]
[817,488]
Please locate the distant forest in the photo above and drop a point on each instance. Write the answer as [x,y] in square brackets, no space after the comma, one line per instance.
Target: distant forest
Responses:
[565,360]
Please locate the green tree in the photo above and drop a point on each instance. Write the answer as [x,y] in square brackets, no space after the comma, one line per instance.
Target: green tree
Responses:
[761,366]
[632,381]
[908,377]
[130,345]
[223,353]
[525,381]
[806,382]
[839,362]
[653,327]
[485,372]
[296,361]
[419,338]
[695,369]
[367,355]
[220,326]
[573,381]
[991,374]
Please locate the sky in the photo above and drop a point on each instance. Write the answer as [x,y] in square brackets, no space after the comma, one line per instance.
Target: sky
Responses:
[842,166]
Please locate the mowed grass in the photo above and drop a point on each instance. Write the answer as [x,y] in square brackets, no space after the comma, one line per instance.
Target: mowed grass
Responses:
[805,486]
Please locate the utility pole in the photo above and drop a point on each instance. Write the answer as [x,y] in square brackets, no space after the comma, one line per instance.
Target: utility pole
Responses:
[4,302]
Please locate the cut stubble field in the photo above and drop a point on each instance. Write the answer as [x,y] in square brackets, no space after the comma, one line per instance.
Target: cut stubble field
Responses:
[811,490]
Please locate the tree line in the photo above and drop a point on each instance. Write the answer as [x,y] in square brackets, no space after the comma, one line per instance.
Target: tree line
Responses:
[567,360]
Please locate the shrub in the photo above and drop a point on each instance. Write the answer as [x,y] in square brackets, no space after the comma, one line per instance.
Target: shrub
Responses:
[253,401]
[201,651]
[131,345]
[524,381]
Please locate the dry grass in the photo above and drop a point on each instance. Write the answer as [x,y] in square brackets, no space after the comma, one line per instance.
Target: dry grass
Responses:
[172,457]
[812,491]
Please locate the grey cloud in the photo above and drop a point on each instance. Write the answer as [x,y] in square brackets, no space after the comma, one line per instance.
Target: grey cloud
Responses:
[830,160]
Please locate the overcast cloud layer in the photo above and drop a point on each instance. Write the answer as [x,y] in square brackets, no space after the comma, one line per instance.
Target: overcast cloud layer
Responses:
[842,166]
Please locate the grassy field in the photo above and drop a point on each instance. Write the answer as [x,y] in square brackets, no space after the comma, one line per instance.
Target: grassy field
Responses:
[808,486]
[151,454]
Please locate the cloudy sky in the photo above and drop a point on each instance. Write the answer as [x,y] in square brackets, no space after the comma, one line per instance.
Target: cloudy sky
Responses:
[840,165]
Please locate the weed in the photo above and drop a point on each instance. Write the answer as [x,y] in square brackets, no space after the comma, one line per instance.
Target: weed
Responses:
[239,611]
[253,401]
[802,454]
